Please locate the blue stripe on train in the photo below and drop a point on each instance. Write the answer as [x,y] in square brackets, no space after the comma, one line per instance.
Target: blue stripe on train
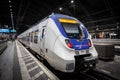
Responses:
[55,18]
[80,45]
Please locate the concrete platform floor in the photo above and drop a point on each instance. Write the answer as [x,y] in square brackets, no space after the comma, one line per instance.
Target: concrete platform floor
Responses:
[9,65]
[16,63]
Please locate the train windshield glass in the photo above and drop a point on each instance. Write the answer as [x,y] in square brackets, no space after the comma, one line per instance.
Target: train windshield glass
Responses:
[73,31]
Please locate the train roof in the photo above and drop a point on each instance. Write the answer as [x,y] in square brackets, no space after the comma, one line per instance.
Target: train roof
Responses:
[62,16]
[50,16]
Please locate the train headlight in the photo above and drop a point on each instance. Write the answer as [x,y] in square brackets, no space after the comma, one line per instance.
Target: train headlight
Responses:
[69,44]
[89,43]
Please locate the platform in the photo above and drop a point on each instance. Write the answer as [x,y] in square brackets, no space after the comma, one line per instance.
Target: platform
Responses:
[108,66]
[108,41]
[16,63]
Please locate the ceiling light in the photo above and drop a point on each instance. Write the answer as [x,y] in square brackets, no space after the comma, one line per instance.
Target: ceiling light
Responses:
[72,1]
[60,8]
[9,1]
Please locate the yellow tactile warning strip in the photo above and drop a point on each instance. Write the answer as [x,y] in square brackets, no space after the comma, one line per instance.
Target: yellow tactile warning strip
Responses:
[31,68]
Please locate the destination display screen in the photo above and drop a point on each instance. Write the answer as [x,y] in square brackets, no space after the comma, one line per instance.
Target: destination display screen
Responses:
[68,21]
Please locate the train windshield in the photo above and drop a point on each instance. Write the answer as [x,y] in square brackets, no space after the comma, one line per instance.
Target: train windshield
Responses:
[73,31]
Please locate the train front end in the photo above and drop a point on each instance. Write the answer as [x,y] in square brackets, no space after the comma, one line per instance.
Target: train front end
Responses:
[74,48]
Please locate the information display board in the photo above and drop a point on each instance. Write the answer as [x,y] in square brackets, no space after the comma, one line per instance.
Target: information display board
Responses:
[4,30]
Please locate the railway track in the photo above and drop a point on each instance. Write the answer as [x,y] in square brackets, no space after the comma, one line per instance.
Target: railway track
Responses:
[87,75]
[99,75]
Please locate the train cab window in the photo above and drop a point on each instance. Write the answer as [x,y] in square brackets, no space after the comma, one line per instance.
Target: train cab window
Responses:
[73,31]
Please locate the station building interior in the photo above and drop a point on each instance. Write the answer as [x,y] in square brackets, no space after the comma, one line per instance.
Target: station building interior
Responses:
[100,17]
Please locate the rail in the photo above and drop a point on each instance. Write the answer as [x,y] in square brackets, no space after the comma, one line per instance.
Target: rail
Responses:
[99,75]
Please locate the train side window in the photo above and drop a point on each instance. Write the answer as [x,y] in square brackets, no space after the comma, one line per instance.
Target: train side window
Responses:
[43,32]
[29,37]
[32,37]
[36,36]
[35,39]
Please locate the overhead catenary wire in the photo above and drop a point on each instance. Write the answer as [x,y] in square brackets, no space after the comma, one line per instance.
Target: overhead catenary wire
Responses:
[19,12]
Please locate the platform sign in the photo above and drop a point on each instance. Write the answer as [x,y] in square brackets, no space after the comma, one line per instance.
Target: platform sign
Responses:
[0,30]
[4,30]
[13,30]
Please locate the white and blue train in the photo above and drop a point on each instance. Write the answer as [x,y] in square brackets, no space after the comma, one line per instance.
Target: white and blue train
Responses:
[63,41]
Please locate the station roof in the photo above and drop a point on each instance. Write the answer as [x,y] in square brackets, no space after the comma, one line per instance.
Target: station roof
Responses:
[104,14]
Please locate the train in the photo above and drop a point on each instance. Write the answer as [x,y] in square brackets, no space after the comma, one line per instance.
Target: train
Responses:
[63,41]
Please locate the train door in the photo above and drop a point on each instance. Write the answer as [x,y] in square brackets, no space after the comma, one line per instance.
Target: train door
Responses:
[42,41]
